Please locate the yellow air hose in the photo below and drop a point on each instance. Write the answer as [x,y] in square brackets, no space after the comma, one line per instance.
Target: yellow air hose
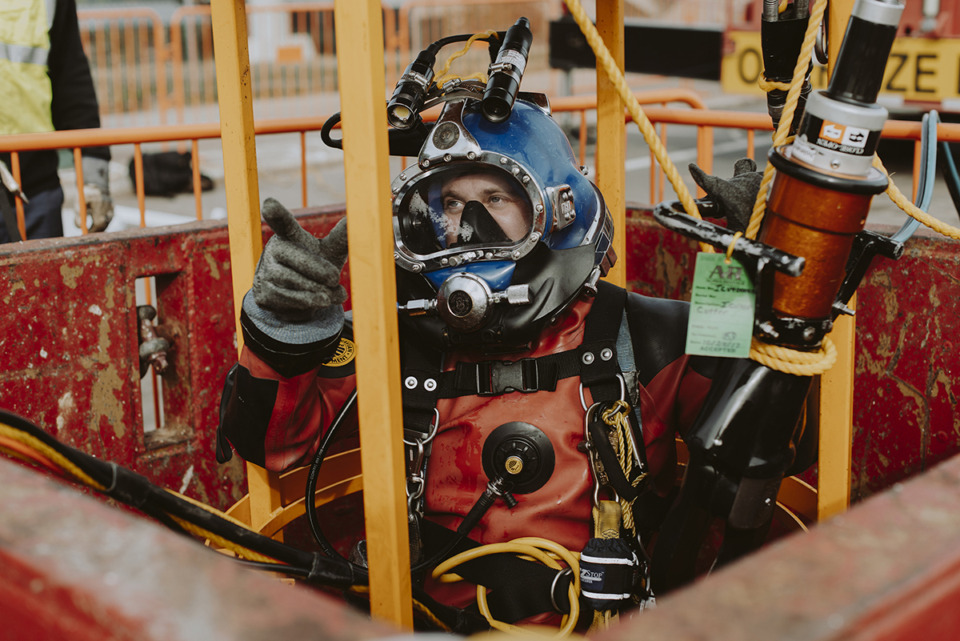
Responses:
[542,550]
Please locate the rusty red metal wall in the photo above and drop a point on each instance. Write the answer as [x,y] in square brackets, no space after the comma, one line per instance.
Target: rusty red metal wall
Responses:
[69,349]
[887,570]
[73,568]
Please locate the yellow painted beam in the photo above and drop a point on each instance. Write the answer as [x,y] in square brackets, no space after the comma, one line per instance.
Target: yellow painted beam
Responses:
[359,32]
[836,424]
[836,386]
[611,134]
[229,20]
[239,145]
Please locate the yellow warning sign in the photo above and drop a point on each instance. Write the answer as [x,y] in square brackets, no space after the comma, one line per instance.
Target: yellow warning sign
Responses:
[919,69]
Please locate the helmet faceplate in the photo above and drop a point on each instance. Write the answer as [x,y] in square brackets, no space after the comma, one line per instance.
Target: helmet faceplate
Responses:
[491,207]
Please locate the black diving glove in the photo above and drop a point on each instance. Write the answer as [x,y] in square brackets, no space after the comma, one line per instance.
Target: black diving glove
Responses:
[298,274]
[735,197]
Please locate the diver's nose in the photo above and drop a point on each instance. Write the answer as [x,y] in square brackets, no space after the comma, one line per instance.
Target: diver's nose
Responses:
[477,226]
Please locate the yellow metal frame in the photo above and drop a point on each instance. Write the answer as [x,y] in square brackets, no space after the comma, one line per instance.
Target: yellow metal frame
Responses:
[243,197]
[612,135]
[364,120]
[836,385]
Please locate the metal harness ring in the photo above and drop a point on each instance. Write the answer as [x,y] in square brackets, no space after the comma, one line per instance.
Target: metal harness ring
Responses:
[433,431]
[553,588]
[623,392]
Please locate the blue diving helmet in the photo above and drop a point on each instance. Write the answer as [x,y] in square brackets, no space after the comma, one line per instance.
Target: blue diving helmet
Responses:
[496,229]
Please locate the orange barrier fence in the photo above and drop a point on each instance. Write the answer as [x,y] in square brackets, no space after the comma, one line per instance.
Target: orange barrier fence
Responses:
[581,109]
[128,53]
[138,137]
[150,69]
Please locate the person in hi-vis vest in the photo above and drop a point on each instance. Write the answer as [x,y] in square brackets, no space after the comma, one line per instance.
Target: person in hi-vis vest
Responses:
[46,85]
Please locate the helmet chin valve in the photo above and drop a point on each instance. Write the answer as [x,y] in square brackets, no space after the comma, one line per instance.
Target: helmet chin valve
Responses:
[465,301]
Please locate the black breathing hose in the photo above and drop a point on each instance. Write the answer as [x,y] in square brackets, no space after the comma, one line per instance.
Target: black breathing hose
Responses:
[314,473]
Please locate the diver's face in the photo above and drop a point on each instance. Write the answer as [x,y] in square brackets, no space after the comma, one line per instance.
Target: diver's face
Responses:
[494,192]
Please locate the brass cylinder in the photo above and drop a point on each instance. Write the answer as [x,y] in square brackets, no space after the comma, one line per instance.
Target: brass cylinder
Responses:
[819,224]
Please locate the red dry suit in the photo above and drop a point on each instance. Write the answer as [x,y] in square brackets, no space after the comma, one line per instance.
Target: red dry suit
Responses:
[277,421]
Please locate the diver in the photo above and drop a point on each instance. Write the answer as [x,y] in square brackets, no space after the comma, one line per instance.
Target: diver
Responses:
[537,398]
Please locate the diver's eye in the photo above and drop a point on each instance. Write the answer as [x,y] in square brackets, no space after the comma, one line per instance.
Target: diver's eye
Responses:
[452,205]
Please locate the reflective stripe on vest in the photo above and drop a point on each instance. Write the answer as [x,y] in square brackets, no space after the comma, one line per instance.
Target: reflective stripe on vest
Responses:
[25,89]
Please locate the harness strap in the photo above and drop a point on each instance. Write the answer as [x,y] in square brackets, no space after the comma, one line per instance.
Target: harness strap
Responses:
[493,378]
[421,371]
[600,367]
[595,362]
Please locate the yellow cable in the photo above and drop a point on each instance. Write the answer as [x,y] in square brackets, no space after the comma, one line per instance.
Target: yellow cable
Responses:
[221,542]
[897,196]
[442,77]
[65,464]
[616,418]
[82,477]
[732,244]
[791,361]
[772,85]
[211,510]
[786,118]
[538,549]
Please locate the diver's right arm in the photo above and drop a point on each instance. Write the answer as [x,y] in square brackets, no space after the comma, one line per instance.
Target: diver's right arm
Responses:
[274,400]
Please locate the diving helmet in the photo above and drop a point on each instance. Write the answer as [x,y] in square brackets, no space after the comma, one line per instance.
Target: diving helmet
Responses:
[496,229]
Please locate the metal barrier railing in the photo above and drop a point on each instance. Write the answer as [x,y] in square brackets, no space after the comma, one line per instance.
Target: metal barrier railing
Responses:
[137,137]
[128,53]
[144,67]
[582,108]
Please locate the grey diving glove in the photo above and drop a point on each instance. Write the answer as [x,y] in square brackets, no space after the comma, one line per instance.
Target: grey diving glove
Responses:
[298,274]
[734,197]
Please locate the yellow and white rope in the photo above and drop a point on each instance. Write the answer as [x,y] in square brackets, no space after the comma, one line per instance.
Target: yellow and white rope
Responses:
[617,418]
[797,362]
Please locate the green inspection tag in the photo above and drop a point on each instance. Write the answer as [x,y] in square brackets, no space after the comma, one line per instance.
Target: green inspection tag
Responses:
[721,308]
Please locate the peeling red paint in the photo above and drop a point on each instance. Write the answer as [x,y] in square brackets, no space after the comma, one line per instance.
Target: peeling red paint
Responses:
[69,358]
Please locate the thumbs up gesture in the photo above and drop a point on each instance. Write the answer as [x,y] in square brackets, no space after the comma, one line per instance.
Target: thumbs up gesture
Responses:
[298,273]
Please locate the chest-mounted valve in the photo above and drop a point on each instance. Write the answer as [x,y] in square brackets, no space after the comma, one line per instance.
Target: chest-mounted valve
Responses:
[521,454]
